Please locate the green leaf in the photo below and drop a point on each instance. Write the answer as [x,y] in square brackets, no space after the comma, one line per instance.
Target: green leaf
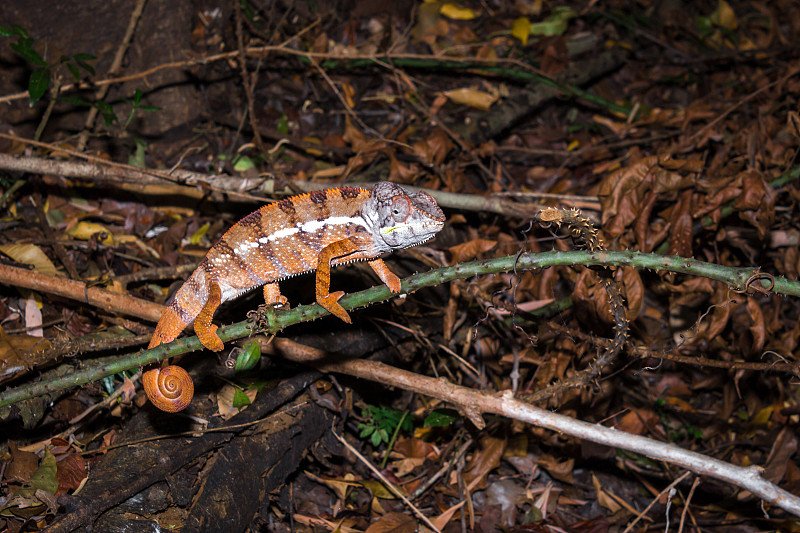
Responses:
[38,84]
[704,26]
[376,439]
[14,31]
[407,423]
[109,117]
[556,23]
[75,100]
[242,163]
[84,57]
[83,64]
[138,158]
[24,47]
[283,125]
[365,431]
[45,476]
[137,97]
[440,418]
[240,399]
[19,30]
[74,71]
[533,515]
[249,357]
[109,384]
[247,10]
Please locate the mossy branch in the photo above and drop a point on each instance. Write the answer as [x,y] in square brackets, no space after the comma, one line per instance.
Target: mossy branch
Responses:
[738,278]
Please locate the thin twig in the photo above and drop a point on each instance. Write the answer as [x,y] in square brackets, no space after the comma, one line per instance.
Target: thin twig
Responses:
[388,484]
[197,185]
[80,291]
[466,399]
[382,60]
[432,480]
[246,82]
[113,69]
[695,483]
[655,500]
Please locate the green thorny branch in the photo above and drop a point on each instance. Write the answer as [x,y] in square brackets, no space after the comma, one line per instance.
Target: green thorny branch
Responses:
[739,279]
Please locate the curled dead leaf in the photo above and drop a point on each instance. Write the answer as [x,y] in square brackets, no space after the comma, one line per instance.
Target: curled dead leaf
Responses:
[472,97]
[470,250]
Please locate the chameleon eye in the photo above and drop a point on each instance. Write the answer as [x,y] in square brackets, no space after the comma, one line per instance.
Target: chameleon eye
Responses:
[400,209]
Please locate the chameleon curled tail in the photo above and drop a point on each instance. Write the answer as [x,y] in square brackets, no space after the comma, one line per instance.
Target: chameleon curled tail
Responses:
[171,388]
[304,233]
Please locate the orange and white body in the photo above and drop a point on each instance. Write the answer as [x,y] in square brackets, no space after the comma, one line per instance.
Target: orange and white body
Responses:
[299,234]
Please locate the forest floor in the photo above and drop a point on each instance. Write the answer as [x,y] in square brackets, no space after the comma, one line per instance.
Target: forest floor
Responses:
[664,313]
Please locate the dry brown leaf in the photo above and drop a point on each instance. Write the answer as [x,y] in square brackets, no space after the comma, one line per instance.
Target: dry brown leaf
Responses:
[393,523]
[671,384]
[561,470]
[783,449]
[345,525]
[359,142]
[443,519]
[634,291]
[486,459]
[70,473]
[472,97]
[470,250]
[398,172]
[603,498]
[637,421]
[18,352]
[679,404]
[403,467]
[720,316]
[434,149]
[592,296]
[30,254]
[680,218]
[339,486]
[450,313]
[412,448]
[22,465]
[759,328]
[33,317]
[757,202]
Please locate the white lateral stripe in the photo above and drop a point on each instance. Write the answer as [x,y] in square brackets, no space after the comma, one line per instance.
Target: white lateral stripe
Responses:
[312,227]
[315,225]
[280,234]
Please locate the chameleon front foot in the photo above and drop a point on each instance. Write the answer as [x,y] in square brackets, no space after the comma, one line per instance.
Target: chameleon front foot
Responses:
[330,302]
[209,338]
[206,331]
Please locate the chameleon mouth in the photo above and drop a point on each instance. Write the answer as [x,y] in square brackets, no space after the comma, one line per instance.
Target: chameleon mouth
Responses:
[423,240]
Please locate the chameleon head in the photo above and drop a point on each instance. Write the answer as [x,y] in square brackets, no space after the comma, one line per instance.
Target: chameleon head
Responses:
[401,218]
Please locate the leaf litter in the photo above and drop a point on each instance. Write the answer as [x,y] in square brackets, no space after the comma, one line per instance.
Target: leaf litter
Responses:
[702,165]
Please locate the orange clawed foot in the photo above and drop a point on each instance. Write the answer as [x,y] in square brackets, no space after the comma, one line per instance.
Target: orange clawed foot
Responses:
[209,338]
[331,303]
